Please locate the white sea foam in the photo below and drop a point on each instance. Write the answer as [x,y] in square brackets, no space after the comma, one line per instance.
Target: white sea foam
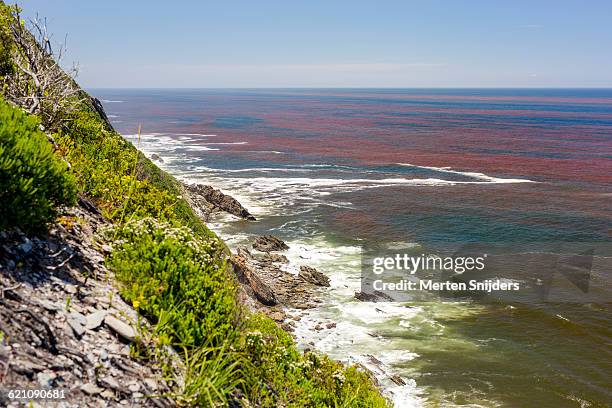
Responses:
[194,134]
[111,101]
[476,175]
[227,143]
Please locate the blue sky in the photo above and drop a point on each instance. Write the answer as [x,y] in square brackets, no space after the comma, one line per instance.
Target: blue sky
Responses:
[335,43]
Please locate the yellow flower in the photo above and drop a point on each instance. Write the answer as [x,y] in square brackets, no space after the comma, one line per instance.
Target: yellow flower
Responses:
[136,304]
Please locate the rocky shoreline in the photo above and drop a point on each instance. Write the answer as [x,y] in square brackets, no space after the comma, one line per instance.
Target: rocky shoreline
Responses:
[264,285]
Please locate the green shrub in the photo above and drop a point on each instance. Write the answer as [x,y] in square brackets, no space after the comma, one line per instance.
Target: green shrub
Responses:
[6,63]
[33,181]
[180,282]
[281,376]
[123,183]
[173,276]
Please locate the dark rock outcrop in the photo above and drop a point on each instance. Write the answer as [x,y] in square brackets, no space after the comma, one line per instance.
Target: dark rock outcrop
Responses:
[206,199]
[278,258]
[265,282]
[310,274]
[99,109]
[255,285]
[156,157]
[267,243]
[374,296]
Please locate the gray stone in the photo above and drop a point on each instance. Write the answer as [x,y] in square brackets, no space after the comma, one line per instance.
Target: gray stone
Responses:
[157,157]
[108,394]
[45,379]
[203,197]
[110,382]
[95,319]
[267,243]
[50,306]
[91,389]
[70,289]
[122,329]
[151,383]
[26,247]
[134,387]
[77,322]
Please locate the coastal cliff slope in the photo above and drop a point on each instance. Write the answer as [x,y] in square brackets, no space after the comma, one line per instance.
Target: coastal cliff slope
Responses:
[113,290]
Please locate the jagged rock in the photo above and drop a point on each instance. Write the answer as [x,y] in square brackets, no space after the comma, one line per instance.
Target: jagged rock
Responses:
[157,158]
[313,276]
[91,389]
[89,206]
[151,384]
[51,307]
[26,247]
[26,367]
[46,379]
[122,329]
[279,258]
[107,395]
[277,316]
[397,379]
[77,322]
[267,243]
[110,382]
[289,290]
[97,106]
[133,387]
[330,325]
[53,293]
[247,276]
[206,198]
[375,296]
[95,319]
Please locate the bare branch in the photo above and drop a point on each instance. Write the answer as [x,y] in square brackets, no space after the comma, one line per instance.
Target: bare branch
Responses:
[39,84]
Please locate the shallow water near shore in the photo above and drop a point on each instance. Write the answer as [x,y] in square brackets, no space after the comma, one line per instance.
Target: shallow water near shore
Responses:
[330,171]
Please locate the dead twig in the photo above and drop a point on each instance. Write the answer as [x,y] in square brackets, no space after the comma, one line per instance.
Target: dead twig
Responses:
[39,84]
[61,264]
[11,288]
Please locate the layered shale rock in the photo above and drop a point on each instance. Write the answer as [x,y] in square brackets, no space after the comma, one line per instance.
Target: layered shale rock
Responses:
[265,282]
[64,324]
[268,243]
[310,274]
[206,199]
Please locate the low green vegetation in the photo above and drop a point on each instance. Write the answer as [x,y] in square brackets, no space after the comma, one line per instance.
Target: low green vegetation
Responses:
[180,283]
[172,275]
[169,265]
[282,376]
[33,181]
[123,183]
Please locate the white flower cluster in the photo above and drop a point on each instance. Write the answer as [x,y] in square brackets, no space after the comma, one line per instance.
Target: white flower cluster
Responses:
[205,249]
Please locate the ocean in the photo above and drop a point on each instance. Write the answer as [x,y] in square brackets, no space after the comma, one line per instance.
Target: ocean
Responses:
[331,171]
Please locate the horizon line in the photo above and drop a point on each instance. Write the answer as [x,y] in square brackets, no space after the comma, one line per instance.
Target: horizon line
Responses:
[364,87]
